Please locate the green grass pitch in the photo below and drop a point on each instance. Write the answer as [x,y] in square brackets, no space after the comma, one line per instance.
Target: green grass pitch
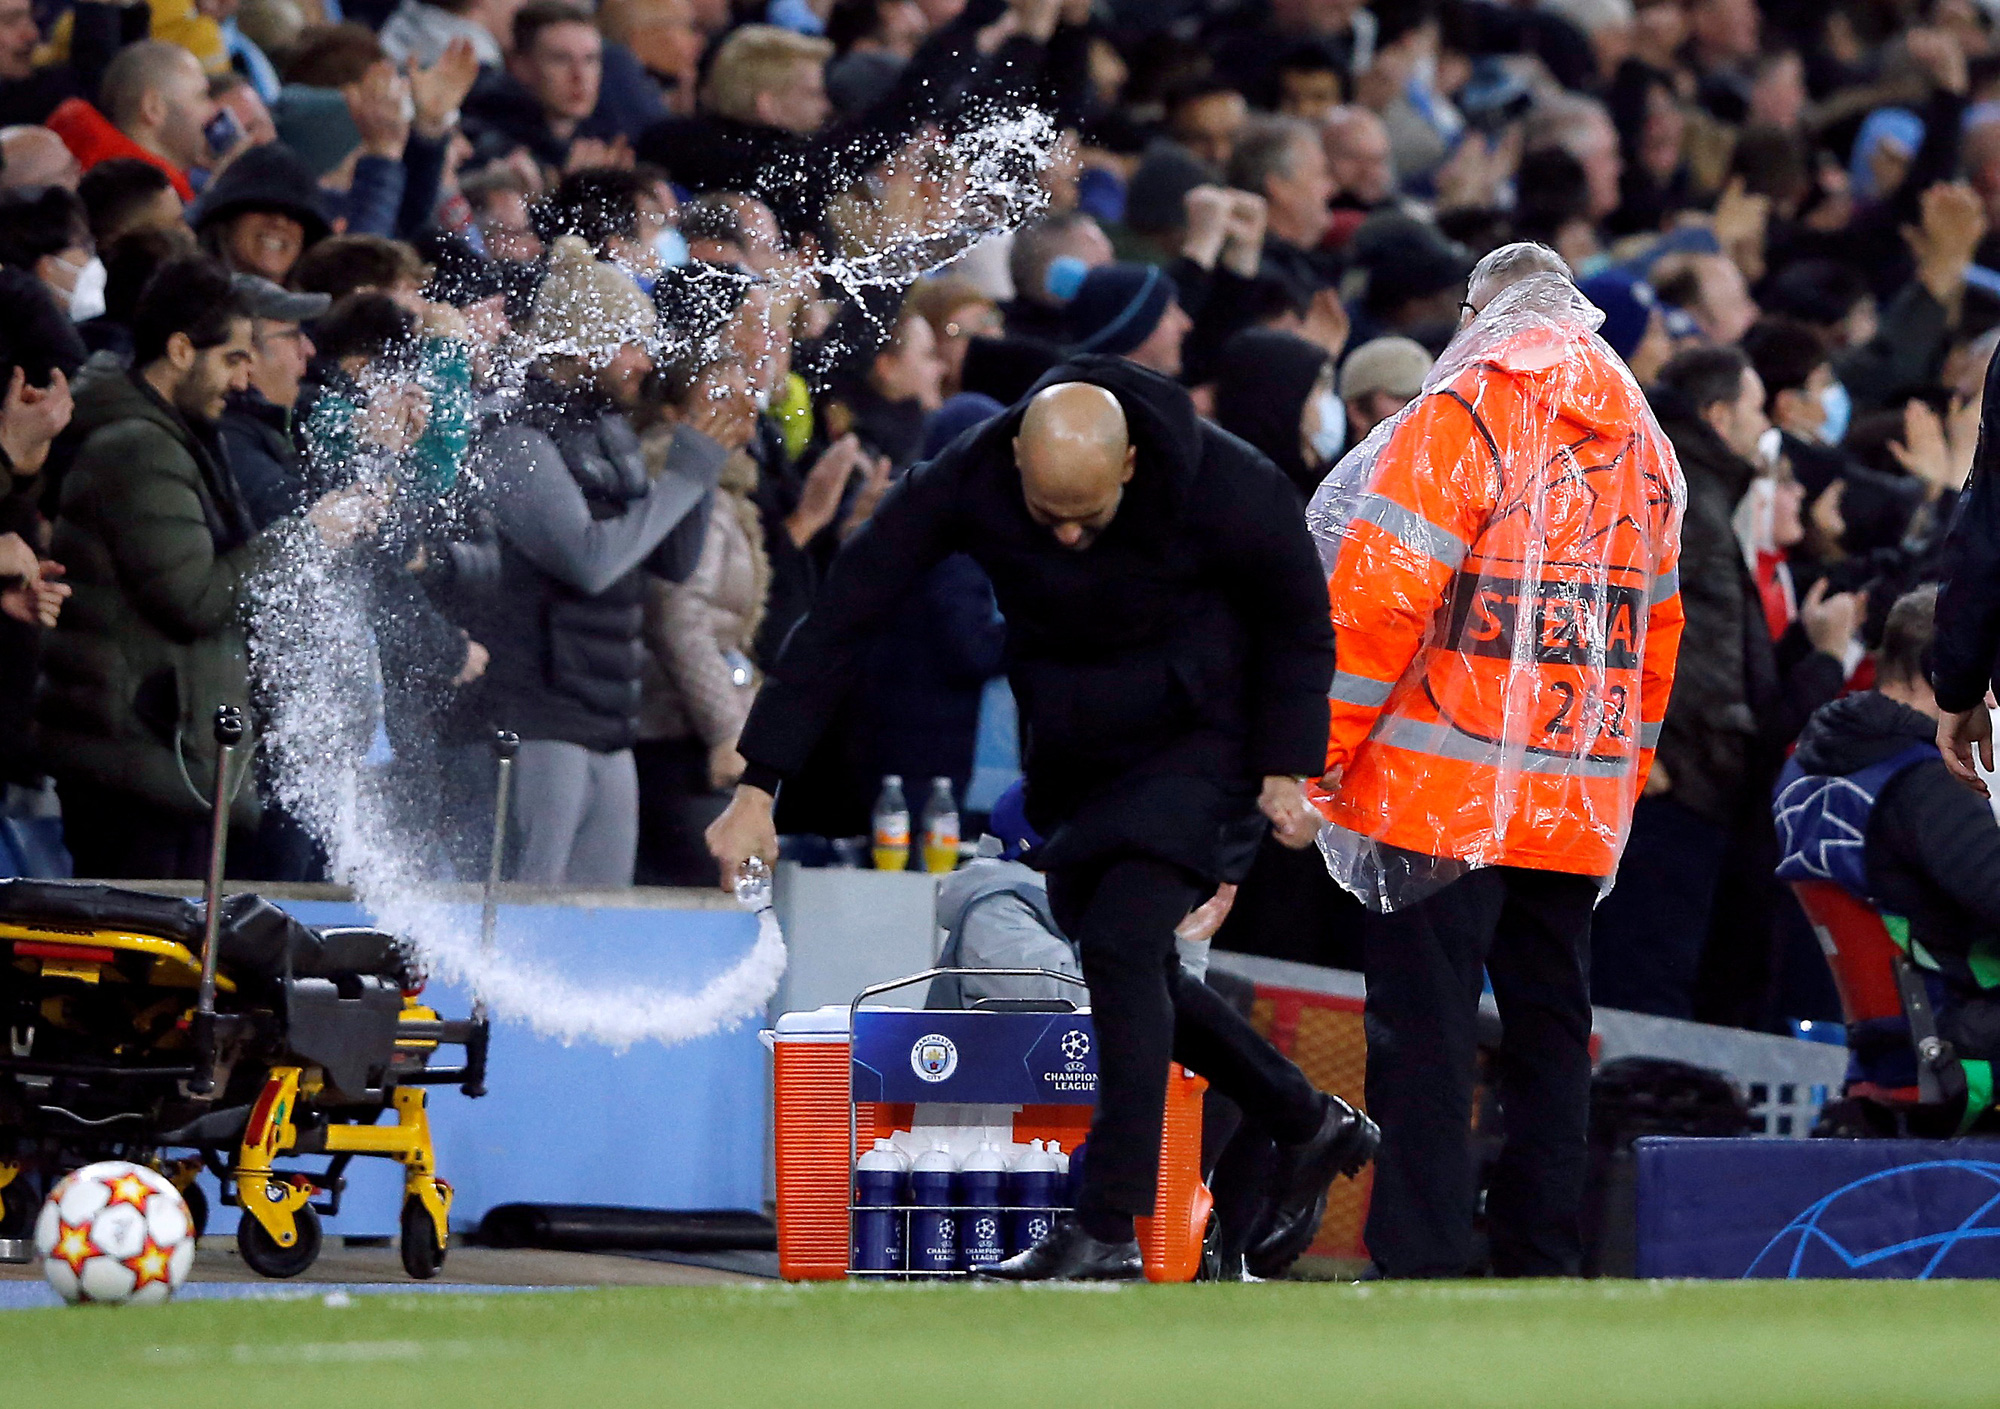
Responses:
[1545,1345]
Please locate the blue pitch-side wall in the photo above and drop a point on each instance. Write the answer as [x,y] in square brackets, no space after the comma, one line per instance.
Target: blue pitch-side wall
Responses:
[655,1127]
[1819,1208]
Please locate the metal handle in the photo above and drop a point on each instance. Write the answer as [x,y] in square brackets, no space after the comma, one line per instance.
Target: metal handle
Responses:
[505,746]
[228,735]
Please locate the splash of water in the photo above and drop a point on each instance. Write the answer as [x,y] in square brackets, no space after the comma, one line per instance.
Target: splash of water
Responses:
[386,827]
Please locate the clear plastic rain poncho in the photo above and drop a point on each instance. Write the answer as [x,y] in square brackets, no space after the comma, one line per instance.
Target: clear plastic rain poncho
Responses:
[1502,558]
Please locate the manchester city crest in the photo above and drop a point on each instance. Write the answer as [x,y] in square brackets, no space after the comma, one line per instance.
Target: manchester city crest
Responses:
[934,1058]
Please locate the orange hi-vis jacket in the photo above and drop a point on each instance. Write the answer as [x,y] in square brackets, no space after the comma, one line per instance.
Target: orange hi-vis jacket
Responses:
[1506,608]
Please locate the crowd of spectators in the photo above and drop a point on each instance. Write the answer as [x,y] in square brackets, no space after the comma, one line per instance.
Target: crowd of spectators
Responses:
[533,309]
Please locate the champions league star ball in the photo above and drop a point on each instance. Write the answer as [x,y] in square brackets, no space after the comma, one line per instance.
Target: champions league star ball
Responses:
[115,1232]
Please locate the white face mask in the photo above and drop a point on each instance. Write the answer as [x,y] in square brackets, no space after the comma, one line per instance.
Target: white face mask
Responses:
[86,297]
[1331,437]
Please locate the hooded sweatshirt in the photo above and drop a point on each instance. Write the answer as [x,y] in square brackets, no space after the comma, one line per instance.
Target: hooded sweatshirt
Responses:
[1932,847]
[1262,382]
[1160,672]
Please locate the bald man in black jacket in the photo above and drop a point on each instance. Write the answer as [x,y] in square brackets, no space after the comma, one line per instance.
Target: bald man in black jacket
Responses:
[1170,650]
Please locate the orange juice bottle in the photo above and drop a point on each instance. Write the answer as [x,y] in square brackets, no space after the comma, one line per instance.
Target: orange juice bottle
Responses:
[941,828]
[892,827]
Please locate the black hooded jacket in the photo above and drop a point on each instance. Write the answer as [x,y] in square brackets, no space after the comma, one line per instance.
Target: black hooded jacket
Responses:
[1738,696]
[1160,672]
[1932,848]
[1263,379]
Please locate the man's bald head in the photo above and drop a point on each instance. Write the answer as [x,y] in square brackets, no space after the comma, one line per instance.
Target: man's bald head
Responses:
[35,156]
[1075,456]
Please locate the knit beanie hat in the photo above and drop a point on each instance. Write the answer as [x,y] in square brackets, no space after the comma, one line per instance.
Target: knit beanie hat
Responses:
[588,309]
[1118,307]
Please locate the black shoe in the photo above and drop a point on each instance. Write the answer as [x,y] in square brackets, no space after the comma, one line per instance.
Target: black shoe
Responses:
[1343,1144]
[1068,1254]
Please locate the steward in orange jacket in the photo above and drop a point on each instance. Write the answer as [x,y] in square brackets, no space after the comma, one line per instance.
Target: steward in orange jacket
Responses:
[1506,611]
[1505,602]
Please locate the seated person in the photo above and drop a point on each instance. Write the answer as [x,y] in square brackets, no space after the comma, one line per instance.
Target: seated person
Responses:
[1928,857]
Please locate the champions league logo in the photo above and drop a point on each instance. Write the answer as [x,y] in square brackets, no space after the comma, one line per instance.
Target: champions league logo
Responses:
[934,1058]
[1076,1045]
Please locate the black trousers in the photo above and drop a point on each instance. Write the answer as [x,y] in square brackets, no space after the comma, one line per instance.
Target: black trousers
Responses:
[1122,913]
[117,836]
[1529,931]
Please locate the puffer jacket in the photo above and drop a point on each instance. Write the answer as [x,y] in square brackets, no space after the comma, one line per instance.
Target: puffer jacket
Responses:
[698,679]
[157,542]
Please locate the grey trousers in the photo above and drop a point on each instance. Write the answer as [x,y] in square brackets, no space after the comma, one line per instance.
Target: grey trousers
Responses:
[577,815]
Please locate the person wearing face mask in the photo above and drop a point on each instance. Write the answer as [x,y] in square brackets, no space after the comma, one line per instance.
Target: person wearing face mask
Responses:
[1275,390]
[628,217]
[45,231]
[1735,695]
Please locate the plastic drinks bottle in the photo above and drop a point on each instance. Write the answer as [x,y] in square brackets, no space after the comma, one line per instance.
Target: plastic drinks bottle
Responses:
[934,1226]
[892,826]
[941,828]
[1055,1149]
[879,1177]
[982,1241]
[1033,1187]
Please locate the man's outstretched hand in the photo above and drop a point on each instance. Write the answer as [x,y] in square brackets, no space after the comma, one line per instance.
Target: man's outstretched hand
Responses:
[745,829]
[1958,736]
[1294,821]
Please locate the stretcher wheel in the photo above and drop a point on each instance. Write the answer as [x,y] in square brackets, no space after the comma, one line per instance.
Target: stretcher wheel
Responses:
[197,1203]
[422,1257]
[264,1255]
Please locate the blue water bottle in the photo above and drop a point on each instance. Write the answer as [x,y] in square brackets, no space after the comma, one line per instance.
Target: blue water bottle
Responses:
[1033,1188]
[934,1224]
[879,1178]
[982,1242]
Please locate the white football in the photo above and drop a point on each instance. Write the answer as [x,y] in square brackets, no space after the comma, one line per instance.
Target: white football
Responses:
[115,1232]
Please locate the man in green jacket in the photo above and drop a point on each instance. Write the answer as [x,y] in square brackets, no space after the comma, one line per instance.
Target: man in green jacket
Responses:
[154,532]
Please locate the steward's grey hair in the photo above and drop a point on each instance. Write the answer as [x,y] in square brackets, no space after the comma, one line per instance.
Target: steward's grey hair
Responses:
[1509,265]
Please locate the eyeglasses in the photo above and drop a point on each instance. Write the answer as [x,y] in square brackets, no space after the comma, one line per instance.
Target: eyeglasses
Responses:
[1468,308]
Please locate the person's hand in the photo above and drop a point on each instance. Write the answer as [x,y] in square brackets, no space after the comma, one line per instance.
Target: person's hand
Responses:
[1939,54]
[1035,19]
[1207,212]
[723,406]
[826,481]
[1206,918]
[1294,821]
[1962,736]
[1925,452]
[375,101]
[744,830]
[725,765]
[344,515]
[1952,223]
[38,600]
[1830,619]
[476,661]
[438,91]
[17,557]
[395,416]
[1243,242]
[32,417]
[1471,178]
[1327,325]
[1658,782]
[588,153]
[874,484]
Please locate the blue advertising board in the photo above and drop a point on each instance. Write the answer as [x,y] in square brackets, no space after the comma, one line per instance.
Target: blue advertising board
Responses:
[975,1057]
[1908,1209]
